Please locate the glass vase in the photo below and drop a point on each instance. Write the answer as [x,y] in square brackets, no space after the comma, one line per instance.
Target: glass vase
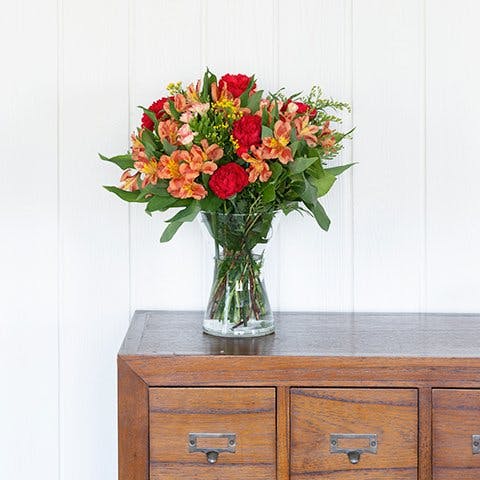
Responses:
[238,305]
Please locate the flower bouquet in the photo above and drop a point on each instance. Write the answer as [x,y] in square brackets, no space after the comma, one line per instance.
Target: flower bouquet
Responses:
[237,156]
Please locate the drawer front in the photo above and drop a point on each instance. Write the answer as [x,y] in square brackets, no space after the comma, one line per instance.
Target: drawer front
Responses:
[352,434]
[193,432]
[456,418]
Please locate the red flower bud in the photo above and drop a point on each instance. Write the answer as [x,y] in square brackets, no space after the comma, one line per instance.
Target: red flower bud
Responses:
[228,180]
[157,108]
[247,131]
[236,84]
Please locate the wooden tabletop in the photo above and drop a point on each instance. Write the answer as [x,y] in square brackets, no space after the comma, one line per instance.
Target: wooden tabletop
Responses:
[168,333]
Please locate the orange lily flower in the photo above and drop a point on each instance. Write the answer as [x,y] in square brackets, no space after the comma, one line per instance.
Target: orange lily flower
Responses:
[305,131]
[168,130]
[184,188]
[149,170]
[277,145]
[258,167]
[129,181]
[138,150]
[327,140]
[179,102]
[203,158]
[169,166]
[193,92]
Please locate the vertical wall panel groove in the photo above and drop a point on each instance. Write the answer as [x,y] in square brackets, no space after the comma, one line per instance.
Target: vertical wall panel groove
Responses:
[28,241]
[94,233]
[388,182]
[316,267]
[453,143]
[166,49]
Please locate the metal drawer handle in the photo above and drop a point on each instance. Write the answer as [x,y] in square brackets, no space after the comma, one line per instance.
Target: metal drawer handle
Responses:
[475,444]
[353,453]
[210,452]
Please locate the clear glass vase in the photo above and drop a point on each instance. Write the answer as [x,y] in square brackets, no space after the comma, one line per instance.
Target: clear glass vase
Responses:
[238,305]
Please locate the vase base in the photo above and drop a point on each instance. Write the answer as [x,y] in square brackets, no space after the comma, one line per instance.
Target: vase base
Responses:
[254,328]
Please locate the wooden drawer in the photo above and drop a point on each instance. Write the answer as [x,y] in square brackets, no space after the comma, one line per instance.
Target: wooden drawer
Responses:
[390,414]
[249,413]
[456,417]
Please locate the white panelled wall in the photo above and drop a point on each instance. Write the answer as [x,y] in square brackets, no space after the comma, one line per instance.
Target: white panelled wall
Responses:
[76,261]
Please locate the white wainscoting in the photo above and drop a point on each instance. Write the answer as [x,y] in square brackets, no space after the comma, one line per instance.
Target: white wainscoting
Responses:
[76,261]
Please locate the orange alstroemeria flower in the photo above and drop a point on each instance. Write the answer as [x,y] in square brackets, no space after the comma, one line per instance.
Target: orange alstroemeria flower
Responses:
[149,170]
[169,166]
[168,130]
[128,181]
[305,131]
[179,102]
[258,167]
[203,158]
[184,188]
[327,140]
[217,95]
[193,92]
[138,150]
[277,145]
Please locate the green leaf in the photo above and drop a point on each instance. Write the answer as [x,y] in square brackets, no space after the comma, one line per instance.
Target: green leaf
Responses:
[266,132]
[301,164]
[268,194]
[148,140]
[174,112]
[309,193]
[187,214]
[210,203]
[340,169]
[275,113]
[151,115]
[170,231]
[265,117]
[293,135]
[208,79]
[316,170]
[253,102]
[159,203]
[295,146]
[319,214]
[245,95]
[124,195]
[313,152]
[295,95]
[123,161]
[276,169]
[324,183]
[168,147]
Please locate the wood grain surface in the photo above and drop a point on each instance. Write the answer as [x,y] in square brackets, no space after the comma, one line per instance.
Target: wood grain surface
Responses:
[303,334]
[283,433]
[132,425]
[425,433]
[346,373]
[456,417]
[391,414]
[247,412]
[306,371]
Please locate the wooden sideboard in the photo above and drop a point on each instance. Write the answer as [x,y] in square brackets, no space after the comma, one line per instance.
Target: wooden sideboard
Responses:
[335,396]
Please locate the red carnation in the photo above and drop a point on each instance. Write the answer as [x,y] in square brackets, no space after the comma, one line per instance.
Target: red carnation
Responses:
[247,131]
[302,108]
[157,108]
[228,180]
[236,84]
